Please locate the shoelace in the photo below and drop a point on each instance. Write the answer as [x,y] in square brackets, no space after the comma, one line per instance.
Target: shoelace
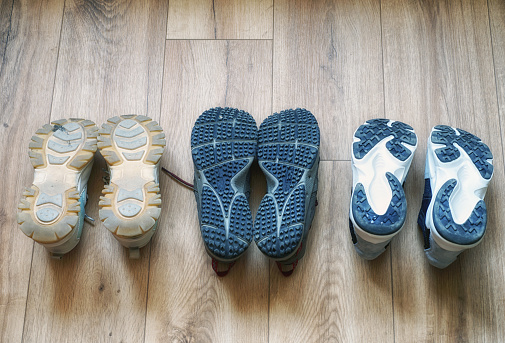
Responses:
[178,179]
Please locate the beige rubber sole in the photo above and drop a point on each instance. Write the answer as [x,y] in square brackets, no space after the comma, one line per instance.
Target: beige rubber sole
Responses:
[131,205]
[62,155]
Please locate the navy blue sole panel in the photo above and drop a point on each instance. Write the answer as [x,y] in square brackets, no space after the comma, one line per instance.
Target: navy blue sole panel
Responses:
[478,152]
[387,223]
[471,231]
[288,146]
[223,142]
[377,130]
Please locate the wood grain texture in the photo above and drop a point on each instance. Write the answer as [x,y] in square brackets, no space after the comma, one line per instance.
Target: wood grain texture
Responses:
[438,68]
[110,63]
[111,58]
[187,301]
[328,59]
[29,48]
[333,294]
[497,21]
[220,19]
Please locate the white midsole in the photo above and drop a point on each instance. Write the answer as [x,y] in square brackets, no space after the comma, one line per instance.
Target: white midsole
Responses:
[371,171]
[471,187]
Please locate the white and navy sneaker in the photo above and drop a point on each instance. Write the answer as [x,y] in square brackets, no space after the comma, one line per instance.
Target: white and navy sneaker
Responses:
[288,154]
[453,215]
[223,146]
[382,152]
[52,209]
[130,207]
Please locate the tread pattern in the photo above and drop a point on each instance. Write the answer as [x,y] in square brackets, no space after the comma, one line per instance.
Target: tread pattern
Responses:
[288,147]
[65,143]
[375,130]
[478,152]
[470,231]
[388,223]
[223,143]
[131,138]
[70,142]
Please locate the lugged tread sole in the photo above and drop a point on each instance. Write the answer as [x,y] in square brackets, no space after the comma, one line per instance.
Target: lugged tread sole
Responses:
[59,152]
[377,130]
[394,143]
[223,143]
[478,152]
[288,148]
[132,146]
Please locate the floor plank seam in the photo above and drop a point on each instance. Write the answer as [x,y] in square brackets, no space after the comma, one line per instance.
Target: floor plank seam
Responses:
[495,80]
[147,288]
[57,60]
[27,293]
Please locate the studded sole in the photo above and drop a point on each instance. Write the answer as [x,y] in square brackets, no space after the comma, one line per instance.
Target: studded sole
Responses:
[288,154]
[382,152]
[459,168]
[62,155]
[132,146]
[223,146]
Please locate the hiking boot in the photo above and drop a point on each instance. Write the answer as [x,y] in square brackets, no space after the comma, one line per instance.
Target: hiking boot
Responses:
[52,209]
[223,146]
[453,214]
[288,154]
[132,146]
[382,152]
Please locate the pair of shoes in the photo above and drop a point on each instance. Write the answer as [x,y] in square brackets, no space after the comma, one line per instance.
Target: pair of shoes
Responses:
[225,142]
[457,172]
[52,209]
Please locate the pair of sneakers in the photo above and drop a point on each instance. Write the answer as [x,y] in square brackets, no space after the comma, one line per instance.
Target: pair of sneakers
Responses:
[224,143]
[453,216]
[62,153]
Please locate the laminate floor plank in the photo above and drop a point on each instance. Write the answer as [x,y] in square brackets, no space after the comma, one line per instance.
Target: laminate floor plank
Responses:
[438,68]
[328,59]
[187,301]
[497,21]
[333,295]
[220,19]
[110,63]
[29,48]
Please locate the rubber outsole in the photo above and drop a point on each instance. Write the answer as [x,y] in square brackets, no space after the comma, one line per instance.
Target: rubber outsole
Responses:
[382,153]
[288,154]
[223,146]
[462,171]
[130,207]
[51,208]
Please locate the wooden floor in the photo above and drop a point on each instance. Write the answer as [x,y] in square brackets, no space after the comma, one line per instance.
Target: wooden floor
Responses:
[424,62]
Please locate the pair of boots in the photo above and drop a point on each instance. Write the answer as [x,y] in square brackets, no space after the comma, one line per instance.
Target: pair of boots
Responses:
[52,209]
[224,144]
[453,214]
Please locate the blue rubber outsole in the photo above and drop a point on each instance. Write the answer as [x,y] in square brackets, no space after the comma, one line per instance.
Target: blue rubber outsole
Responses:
[224,143]
[288,147]
[369,135]
[472,230]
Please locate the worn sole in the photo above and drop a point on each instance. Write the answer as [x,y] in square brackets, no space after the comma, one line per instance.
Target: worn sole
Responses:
[382,152]
[223,146]
[288,153]
[132,146]
[459,168]
[60,152]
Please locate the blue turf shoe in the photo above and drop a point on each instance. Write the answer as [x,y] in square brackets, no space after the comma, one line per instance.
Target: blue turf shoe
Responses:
[288,154]
[382,152]
[52,209]
[223,146]
[453,214]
